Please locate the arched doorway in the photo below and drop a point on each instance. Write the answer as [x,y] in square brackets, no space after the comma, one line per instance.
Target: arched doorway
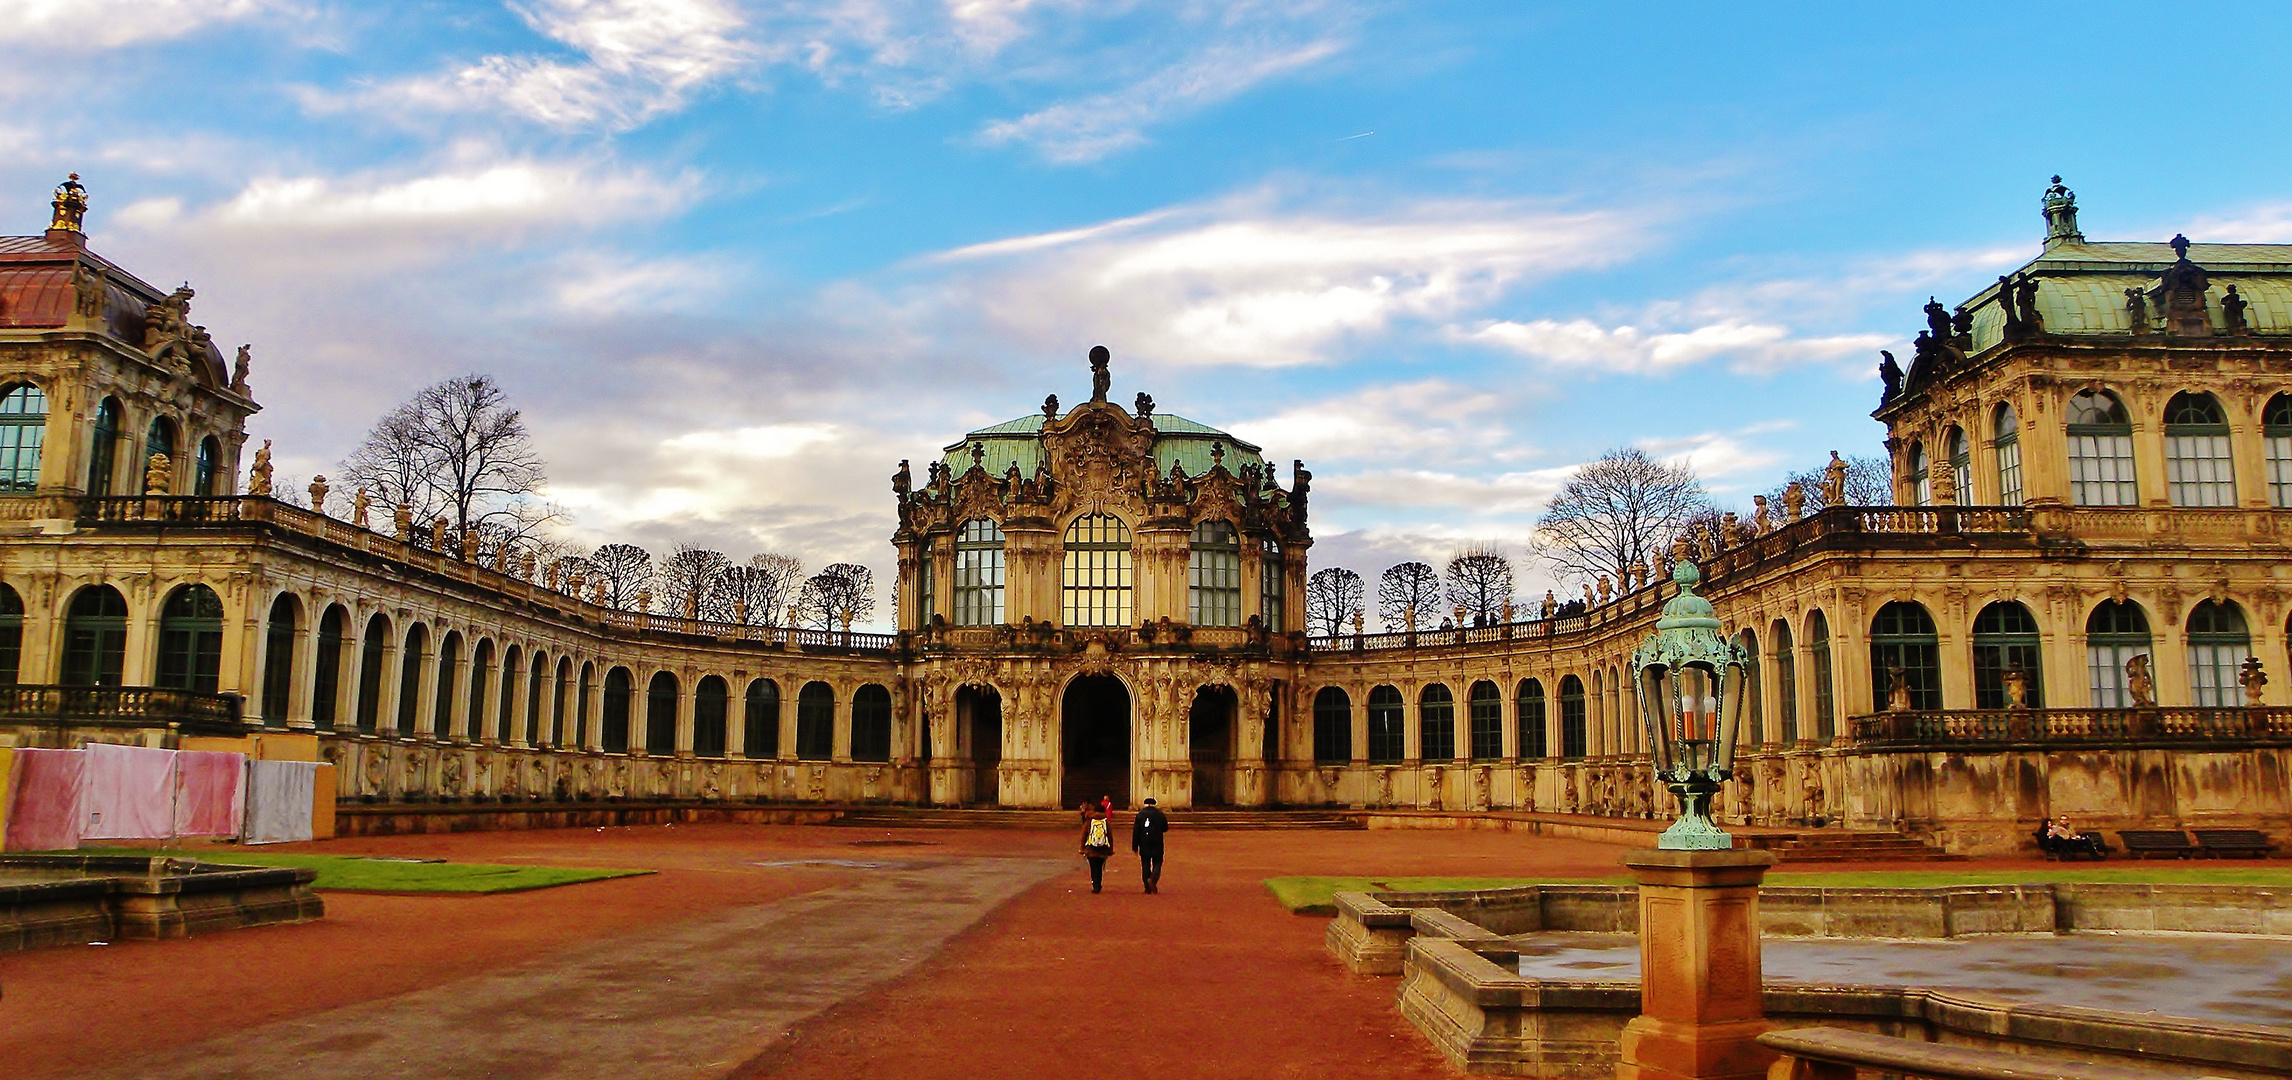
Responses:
[1094,738]
[1209,742]
[979,734]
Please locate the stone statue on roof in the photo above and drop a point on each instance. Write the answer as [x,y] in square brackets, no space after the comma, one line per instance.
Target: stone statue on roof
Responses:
[1100,380]
[1962,329]
[1834,482]
[2137,310]
[89,286]
[259,477]
[2025,304]
[240,367]
[1144,404]
[1890,375]
[71,205]
[902,481]
[2179,294]
[1050,407]
[1937,319]
[2232,312]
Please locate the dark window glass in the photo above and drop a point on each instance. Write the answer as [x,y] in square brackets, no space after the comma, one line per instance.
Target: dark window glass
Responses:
[371,653]
[23,428]
[1528,703]
[278,661]
[203,481]
[1486,706]
[815,722]
[618,689]
[326,669]
[481,679]
[535,671]
[95,638]
[191,640]
[871,724]
[763,720]
[709,707]
[660,714]
[1902,636]
[505,710]
[1573,740]
[1332,727]
[1388,737]
[2005,641]
[1786,685]
[1436,718]
[103,451]
[442,703]
[410,679]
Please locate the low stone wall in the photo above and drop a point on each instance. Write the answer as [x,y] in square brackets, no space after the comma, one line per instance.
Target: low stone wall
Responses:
[127,898]
[392,820]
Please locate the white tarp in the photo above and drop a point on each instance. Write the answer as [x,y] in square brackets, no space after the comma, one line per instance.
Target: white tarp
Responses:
[128,793]
[280,795]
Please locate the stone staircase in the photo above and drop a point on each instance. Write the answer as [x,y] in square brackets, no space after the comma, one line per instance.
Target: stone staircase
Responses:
[916,817]
[1857,847]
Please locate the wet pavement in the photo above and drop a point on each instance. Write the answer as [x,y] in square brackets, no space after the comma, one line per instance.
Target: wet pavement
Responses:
[2237,979]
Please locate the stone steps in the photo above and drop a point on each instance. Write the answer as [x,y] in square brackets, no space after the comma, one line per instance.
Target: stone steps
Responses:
[1857,847]
[898,817]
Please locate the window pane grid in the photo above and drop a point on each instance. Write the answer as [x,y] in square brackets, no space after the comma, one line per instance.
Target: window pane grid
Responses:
[1332,727]
[1436,714]
[1387,740]
[2199,471]
[2105,659]
[1533,743]
[2212,674]
[2101,468]
[1213,576]
[1487,711]
[2280,469]
[1269,586]
[2009,470]
[979,575]
[1095,573]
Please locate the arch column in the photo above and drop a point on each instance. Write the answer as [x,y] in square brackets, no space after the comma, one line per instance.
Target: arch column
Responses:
[302,688]
[688,713]
[1954,642]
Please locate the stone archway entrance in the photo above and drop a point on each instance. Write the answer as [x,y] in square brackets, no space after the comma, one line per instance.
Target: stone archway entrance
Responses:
[1094,741]
[979,729]
[1209,743]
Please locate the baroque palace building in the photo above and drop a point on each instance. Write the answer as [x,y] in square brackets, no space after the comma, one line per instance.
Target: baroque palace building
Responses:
[2073,608]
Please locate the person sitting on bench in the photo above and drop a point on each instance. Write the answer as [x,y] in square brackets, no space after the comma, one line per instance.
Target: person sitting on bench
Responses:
[2067,839]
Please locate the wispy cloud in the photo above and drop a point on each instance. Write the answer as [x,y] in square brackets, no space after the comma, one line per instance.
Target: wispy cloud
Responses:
[94,25]
[1632,350]
[2263,223]
[1095,127]
[1426,420]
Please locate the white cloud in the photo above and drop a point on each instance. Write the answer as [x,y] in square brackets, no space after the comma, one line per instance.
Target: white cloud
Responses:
[1503,494]
[1092,128]
[1715,455]
[94,25]
[2266,223]
[1581,343]
[1433,419]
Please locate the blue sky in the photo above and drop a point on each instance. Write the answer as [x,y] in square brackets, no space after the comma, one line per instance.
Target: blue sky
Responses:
[737,259]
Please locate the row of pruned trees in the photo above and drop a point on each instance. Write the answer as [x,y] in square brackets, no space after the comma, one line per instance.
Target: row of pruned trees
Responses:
[1412,594]
[770,589]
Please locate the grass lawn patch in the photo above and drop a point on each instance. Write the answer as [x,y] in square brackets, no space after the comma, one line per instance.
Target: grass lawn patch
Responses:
[356,873]
[1318,895]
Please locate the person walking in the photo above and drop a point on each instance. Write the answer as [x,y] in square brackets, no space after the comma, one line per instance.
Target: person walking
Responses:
[1146,833]
[1097,844]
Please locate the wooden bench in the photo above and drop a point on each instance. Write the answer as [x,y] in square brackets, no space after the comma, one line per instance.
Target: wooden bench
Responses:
[2090,845]
[1817,1053]
[2221,843]
[2141,843]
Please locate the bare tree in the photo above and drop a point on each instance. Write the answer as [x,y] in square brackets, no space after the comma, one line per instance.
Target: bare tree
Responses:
[1615,511]
[394,466]
[457,449]
[623,570]
[1407,594]
[837,590]
[1869,482]
[1480,582]
[686,576]
[1332,596]
[771,584]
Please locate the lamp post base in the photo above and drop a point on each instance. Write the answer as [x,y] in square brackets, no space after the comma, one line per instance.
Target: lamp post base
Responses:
[1700,1007]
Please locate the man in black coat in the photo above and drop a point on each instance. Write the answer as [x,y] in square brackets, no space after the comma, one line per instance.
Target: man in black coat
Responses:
[1146,833]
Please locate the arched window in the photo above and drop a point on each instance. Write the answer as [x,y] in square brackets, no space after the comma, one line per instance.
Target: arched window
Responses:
[1921,483]
[1332,727]
[160,439]
[1272,586]
[1754,714]
[1903,636]
[979,574]
[95,637]
[2100,451]
[373,650]
[581,701]
[1961,464]
[815,722]
[210,459]
[619,688]
[557,701]
[1573,742]
[1528,709]
[1818,654]
[23,428]
[2276,429]
[1436,723]
[536,669]
[2007,446]
[2114,634]
[104,449]
[2005,641]
[278,658]
[1388,733]
[1484,703]
[2199,470]
[660,714]
[191,640]
[442,700]
[710,705]
[2218,644]
[1213,575]
[410,678]
[871,724]
[326,667]
[11,635]
[481,680]
[505,709]
[1786,684]
[763,719]
[1094,575]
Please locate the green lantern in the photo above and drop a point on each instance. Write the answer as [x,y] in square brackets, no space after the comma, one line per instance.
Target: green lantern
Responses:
[1691,682]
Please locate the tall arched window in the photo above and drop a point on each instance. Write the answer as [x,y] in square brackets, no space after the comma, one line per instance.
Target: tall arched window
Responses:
[2007,446]
[2199,470]
[1272,585]
[410,678]
[1094,575]
[1332,727]
[2114,634]
[871,724]
[2276,430]
[191,640]
[11,635]
[372,652]
[1436,723]
[581,701]
[2100,451]
[1213,575]
[160,439]
[815,722]
[557,702]
[326,667]
[1484,704]
[1961,464]
[1818,655]
[95,637]
[2218,644]
[210,459]
[1786,684]
[1921,482]
[481,681]
[1903,636]
[505,709]
[104,449]
[442,700]
[762,717]
[1388,733]
[278,658]
[660,714]
[536,669]
[1754,712]
[1528,714]
[926,584]
[614,726]
[979,574]
[711,701]
[1573,740]
[2005,640]
[23,428]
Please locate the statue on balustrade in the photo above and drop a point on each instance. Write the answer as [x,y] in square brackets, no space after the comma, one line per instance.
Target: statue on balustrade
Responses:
[359,504]
[2138,685]
[1794,501]
[2252,678]
[259,477]
[318,493]
[1897,689]
[1834,482]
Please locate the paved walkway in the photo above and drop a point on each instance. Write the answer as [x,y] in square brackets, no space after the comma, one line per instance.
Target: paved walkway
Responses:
[692,999]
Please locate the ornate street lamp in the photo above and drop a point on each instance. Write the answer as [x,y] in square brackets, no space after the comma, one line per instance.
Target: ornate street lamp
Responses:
[1691,688]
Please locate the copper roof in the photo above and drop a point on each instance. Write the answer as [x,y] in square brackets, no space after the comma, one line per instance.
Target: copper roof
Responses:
[36,291]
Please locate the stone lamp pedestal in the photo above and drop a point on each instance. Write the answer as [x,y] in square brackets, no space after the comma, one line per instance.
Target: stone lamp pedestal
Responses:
[1700,1007]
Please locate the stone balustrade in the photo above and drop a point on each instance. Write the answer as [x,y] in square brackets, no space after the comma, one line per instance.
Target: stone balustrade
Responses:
[1822,1053]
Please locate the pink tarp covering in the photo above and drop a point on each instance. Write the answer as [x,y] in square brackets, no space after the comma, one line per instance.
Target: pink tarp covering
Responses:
[128,793]
[46,815]
[210,792]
